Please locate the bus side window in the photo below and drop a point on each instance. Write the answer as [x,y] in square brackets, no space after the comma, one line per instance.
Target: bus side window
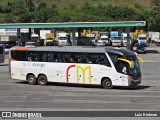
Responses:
[18,55]
[66,57]
[57,57]
[60,57]
[44,57]
[73,58]
[89,60]
[104,60]
[95,59]
[78,58]
[84,57]
[39,56]
[50,57]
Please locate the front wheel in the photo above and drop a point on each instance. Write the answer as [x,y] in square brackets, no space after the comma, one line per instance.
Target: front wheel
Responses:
[42,80]
[107,84]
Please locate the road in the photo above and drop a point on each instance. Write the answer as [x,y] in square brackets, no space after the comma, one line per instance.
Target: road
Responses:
[16,95]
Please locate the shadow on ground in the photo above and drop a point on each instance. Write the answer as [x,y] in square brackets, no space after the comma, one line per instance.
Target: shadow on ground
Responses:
[139,87]
[148,52]
[152,51]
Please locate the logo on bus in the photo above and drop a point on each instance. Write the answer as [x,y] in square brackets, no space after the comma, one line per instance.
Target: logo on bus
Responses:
[85,73]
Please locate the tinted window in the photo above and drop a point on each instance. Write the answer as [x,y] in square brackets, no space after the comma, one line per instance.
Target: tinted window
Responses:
[32,56]
[58,57]
[18,55]
[103,60]
[66,57]
[114,57]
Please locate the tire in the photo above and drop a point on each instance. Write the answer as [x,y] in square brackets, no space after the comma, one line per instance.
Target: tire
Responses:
[107,84]
[31,80]
[42,80]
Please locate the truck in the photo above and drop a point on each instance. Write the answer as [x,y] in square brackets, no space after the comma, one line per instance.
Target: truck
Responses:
[49,39]
[48,36]
[115,39]
[62,38]
[8,40]
[142,40]
[103,38]
[154,37]
[35,38]
[43,33]
[124,39]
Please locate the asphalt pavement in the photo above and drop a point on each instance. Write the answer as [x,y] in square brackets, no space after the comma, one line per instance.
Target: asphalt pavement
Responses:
[16,95]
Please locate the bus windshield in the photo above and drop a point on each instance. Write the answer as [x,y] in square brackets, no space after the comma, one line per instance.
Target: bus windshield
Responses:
[124,67]
[135,69]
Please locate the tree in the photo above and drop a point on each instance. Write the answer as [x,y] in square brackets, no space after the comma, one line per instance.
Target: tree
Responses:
[154,19]
[8,18]
[30,5]
[25,18]
[44,14]
[156,2]
[41,5]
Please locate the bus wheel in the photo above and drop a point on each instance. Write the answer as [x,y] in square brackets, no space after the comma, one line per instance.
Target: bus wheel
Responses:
[42,80]
[107,84]
[31,80]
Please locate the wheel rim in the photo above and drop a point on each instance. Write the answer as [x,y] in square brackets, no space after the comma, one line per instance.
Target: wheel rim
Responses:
[42,81]
[108,83]
[31,80]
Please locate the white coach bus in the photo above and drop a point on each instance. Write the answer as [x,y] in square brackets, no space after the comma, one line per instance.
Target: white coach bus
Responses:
[2,53]
[75,64]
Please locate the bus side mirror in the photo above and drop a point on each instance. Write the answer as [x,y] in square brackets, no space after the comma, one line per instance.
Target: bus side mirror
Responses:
[141,60]
[125,60]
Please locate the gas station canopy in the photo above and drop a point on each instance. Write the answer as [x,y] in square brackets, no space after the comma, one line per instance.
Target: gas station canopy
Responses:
[74,24]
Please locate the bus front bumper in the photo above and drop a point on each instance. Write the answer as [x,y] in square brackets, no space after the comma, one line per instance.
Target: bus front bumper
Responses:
[132,82]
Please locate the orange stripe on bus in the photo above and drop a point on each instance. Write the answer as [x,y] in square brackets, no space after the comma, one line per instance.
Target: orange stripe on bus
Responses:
[22,49]
[13,60]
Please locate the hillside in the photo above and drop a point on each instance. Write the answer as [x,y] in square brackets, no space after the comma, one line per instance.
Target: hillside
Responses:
[66,3]
[26,11]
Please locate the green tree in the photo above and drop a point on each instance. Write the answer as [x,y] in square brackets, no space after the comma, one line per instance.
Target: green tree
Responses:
[154,20]
[30,5]
[44,14]
[25,18]
[8,18]
[42,5]
[156,2]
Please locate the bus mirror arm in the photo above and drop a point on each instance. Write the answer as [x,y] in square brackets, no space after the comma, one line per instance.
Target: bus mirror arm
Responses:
[125,60]
[141,60]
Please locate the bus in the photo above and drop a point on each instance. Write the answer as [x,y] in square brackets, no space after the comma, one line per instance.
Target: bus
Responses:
[105,66]
[2,53]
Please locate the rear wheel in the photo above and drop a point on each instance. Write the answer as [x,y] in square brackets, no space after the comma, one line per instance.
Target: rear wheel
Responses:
[42,80]
[31,80]
[107,84]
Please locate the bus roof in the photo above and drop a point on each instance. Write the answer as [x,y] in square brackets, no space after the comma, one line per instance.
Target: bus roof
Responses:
[87,49]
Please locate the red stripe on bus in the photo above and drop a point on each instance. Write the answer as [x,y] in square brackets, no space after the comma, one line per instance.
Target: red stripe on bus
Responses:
[68,72]
[22,49]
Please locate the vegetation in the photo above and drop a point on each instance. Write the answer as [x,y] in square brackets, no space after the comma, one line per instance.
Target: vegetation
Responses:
[26,11]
